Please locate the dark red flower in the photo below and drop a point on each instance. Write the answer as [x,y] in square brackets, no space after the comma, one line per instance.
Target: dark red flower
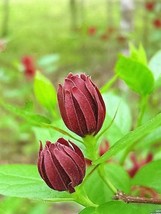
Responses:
[92,31]
[61,165]
[157,23]
[81,105]
[29,66]
[149,5]
[137,164]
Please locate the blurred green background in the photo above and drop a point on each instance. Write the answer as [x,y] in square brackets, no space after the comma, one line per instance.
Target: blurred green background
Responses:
[61,37]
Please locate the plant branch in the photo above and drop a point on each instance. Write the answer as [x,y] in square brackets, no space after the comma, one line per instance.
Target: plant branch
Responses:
[135,199]
[109,84]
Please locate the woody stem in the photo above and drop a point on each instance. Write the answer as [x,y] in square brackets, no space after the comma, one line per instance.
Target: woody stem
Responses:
[135,199]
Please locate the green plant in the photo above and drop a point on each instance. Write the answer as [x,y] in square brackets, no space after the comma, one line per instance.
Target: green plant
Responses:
[132,126]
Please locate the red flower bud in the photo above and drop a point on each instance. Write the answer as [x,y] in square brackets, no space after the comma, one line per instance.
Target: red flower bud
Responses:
[149,5]
[157,23]
[61,165]
[81,105]
[29,66]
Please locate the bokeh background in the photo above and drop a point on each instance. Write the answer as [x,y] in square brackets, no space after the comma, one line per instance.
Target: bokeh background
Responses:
[58,37]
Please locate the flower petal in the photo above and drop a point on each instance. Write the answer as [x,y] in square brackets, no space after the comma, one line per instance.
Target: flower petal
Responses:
[68,166]
[55,173]
[72,115]
[78,162]
[86,110]
[99,103]
[61,102]
[80,83]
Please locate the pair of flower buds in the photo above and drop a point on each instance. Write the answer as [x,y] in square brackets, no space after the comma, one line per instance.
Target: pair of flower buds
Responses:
[62,164]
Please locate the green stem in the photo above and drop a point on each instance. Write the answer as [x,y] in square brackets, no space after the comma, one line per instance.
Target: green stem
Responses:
[109,84]
[92,151]
[142,106]
[90,143]
[106,180]
[81,197]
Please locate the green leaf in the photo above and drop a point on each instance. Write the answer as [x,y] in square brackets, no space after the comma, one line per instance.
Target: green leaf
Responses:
[130,138]
[39,208]
[120,126]
[136,75]
[149,176]
[24,181]
[36,118]
[11,205]
[32,118]
[152,138]
[139,54]
[89,210]
[117,207]
[45,92]
[155,66]
[99,192]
